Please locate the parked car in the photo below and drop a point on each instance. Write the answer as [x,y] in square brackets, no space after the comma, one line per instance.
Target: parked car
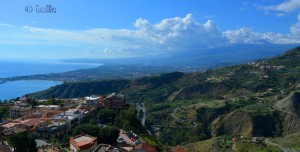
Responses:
[137,142]
[120,140]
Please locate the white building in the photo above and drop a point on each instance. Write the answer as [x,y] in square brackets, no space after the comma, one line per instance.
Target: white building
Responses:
[48,107]
[73,117]
[91,101]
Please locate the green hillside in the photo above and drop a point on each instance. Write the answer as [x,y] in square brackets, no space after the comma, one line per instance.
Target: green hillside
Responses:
[243,100]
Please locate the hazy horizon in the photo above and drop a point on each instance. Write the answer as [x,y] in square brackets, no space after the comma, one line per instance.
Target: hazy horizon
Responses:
[122,29]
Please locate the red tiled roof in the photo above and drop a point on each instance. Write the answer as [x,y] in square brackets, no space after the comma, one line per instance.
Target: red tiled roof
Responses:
[179,149]
[31,122]
[146,147]
[84,143]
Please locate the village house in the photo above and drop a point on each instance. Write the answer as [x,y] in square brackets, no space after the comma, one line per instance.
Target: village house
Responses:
[91,102]
[115,101]
[83,143]
[20,110]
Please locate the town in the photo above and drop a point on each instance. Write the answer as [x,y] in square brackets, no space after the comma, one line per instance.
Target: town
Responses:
[89,124]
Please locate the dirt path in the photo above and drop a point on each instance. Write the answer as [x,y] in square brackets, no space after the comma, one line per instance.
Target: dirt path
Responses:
[268,142]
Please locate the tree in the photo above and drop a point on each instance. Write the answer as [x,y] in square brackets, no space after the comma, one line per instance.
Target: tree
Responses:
[88,129]
[107,115]
[22,142]
[93,121]
[127,120]
[32,145]
[4,111]
[108,135]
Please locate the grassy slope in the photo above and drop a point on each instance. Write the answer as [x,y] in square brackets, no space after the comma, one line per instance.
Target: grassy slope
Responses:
[204,146]
[212,145]
[292,141]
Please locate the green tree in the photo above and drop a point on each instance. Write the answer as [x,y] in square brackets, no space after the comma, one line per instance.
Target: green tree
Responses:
[4,111]
[22,142]
[32,145]
[127,120]
[93,121]
[88,129]
[108,135]
[107,115]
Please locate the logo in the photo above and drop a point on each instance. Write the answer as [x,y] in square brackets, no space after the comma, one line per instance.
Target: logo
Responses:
[41,9]
[28,9]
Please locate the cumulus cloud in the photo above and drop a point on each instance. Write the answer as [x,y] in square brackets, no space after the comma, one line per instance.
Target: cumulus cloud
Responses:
[242,35]
[285,7]
[171,34]
[179,33]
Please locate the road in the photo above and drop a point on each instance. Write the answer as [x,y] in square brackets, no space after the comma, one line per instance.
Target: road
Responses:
[143,108]
[268,142]
[144,114]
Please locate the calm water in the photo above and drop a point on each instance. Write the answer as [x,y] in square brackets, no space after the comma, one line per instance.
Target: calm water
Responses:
[19,88]
[11,69]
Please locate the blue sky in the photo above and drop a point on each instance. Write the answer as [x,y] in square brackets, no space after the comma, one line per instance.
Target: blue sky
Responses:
[128,28]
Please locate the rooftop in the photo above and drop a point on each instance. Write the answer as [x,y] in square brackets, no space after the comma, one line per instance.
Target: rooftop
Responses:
[72,111]
[83,141]
[48,106]
[27,122]
[115,95]
[145,147]
[62,116]
[103,148]
[92,98]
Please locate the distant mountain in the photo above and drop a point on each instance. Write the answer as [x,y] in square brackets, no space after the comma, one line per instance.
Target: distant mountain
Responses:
[203,58]
[277,73]
[185,61]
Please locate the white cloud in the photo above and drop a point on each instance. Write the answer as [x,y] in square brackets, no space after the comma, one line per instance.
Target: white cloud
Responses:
[248,36]
[171,34]
[295,28]
[6,25]
[285,7]
[242,35]
[106,51]
[179,33]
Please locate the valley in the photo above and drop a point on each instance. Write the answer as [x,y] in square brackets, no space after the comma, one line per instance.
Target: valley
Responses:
[258,99]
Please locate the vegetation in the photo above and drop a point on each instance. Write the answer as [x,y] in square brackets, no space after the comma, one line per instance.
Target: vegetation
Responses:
[4,112]
[107,134]
[234,99]
[127,120]
[22,142]
[292,141]
[107,116]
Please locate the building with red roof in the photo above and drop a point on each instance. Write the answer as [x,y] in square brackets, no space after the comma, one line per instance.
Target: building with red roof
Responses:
[144,147]
[83,143]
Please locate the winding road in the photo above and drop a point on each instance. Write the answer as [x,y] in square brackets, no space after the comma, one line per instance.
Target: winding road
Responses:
[268,142]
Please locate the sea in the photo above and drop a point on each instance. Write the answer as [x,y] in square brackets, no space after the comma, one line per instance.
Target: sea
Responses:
[19,88]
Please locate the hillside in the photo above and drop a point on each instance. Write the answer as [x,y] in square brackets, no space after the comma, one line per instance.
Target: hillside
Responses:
[249,99]
[276,75]
[290,104]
